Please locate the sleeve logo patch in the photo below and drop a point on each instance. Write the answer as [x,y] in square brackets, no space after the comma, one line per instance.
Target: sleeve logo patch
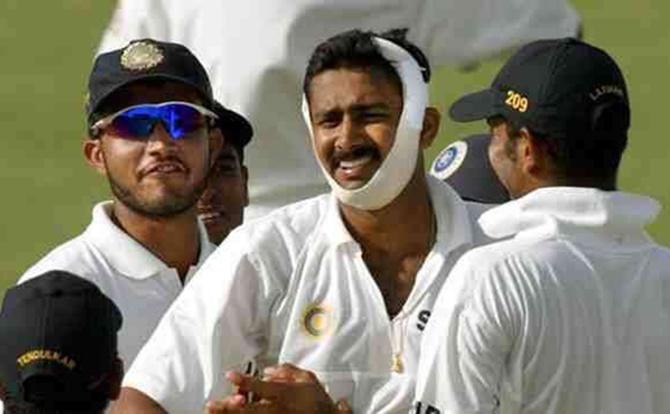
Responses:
[317,321]
[516,101]
[449,160]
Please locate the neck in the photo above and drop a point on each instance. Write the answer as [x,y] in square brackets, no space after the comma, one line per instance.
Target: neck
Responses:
[175,240]
[405,226]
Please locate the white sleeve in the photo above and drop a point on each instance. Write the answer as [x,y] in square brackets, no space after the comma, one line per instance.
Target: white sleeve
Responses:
[135,19]
[465,345]
[458,32]
[218,323]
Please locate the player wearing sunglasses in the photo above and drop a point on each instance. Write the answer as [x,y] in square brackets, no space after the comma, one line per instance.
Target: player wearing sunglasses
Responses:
[151,134]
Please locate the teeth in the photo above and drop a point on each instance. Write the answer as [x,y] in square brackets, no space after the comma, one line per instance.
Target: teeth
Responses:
[167,168]
[207,216]
[349,164]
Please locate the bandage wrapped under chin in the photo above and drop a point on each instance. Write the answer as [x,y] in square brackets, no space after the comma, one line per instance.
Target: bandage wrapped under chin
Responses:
[398,167]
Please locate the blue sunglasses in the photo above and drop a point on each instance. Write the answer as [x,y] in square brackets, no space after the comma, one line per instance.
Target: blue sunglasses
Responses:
[180,119]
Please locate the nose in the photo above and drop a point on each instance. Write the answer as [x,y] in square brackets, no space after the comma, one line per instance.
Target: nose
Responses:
[350,134]
[160,139]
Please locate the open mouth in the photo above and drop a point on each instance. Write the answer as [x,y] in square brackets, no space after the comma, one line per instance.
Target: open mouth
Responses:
[355,163]
[210,216]
[355,167]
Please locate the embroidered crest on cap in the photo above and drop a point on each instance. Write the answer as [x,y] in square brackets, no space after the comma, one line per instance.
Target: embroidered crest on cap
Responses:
[141,56]
[449,160]
[317,320]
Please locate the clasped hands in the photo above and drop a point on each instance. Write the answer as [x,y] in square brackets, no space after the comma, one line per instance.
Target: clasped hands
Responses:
[284,389]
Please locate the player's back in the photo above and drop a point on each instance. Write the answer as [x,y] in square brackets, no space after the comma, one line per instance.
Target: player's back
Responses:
[588,318]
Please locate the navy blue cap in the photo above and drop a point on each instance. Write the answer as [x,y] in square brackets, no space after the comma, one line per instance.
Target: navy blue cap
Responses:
[562,87]
[466,167]
[145,59]
[56,329]
[234,126]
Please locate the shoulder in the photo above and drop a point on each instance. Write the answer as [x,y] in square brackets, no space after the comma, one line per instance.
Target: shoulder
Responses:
[289,226]
[475,210]
[75,256]
[276,240]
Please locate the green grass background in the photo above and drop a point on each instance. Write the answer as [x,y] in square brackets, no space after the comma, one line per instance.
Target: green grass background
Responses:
[46,48]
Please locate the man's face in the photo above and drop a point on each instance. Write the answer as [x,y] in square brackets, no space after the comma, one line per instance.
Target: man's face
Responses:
[157,175]
[503,157]
[354,114]
[222,204]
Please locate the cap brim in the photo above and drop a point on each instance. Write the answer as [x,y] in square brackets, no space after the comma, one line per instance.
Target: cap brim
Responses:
[474,107]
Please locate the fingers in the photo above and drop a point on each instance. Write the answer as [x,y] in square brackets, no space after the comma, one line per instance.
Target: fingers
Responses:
[263,389]
[237,405]
[343,407]
[232,404]
[289,373]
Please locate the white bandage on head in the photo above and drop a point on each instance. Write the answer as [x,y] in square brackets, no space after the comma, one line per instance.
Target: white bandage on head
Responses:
[398,167]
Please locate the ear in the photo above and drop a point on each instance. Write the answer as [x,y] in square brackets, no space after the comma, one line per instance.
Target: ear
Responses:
[245,178]
[216,140]
[94,154]
[431,125]
[532,154]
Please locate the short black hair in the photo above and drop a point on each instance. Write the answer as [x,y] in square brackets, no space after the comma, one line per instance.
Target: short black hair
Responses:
[588,158]
[356,49]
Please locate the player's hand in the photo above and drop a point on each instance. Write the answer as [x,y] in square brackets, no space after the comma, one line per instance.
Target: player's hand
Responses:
[284,389]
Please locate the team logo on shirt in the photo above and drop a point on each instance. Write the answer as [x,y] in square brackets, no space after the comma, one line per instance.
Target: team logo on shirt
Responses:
[449,160]
[141,56]
[317,320]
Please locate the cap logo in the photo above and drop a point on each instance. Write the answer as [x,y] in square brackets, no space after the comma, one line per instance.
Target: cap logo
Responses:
[516,101]
[606,90]
[141,56]
[46,355]
[317,320]
[449,160]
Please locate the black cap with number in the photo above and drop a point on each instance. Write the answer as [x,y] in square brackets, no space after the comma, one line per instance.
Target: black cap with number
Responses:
[560,86]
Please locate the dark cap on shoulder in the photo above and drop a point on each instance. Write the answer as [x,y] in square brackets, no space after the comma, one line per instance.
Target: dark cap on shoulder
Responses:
[559,86]
[59,333]
[145,59]
[235,127]
[466,167]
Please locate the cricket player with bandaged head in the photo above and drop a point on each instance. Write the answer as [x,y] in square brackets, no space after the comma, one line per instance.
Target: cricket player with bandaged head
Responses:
[569,314]
[333,292]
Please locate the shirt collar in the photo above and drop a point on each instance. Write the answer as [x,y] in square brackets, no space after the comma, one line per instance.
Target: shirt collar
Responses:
[453,222]
[127,255]
[570,210]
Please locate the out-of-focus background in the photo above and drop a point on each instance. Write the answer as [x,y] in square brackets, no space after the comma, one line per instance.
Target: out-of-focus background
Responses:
[46,49]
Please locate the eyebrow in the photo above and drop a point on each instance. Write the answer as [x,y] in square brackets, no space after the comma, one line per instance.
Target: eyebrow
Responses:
[356,108]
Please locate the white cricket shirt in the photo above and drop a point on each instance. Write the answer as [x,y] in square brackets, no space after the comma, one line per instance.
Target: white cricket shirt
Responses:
[141,285]
[571,316]
[256,53]
[293,287]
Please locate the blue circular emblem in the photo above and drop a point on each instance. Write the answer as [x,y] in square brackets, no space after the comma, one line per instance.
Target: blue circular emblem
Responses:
[445,159]
[449,160]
